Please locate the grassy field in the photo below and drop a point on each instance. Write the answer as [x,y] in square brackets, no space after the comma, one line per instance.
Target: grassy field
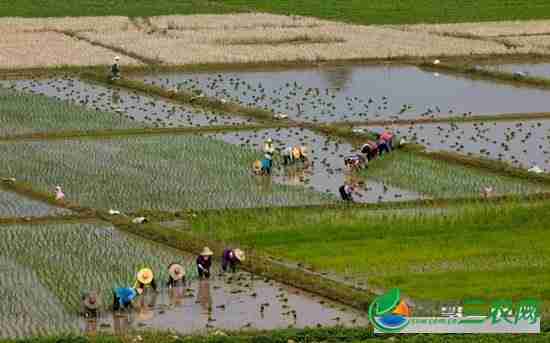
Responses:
[476,251]
[356,11]
[441,179]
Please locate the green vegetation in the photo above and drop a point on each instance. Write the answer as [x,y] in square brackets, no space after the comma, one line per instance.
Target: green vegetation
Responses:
[356,11]
[329,335]
[478,250]
[154,172]
[28,114]
[442,179]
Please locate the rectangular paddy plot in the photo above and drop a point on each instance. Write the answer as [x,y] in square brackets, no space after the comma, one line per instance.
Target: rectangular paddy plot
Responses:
[359,92]
[154,172]
[326,173]
[441,179]
[523,144]
[14,205]
[43,283]
[124,105]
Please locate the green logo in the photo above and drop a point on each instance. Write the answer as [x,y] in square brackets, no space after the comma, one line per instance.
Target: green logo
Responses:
[388,313]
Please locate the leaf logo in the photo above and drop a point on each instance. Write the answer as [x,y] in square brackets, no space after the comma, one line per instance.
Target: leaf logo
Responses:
[388,313]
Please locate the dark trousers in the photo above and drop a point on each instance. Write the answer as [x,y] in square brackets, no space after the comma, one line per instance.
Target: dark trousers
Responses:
[345,196]
[383,148]
[204,273]
[287,159]
[117,305]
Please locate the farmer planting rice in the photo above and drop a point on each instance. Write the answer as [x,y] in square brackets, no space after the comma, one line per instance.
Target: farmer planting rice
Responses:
[90,304]
[144,279]
[59,195]
[293,154]
[231,258]
[269,149]
[346,192]
[123,297]
[355,162]
[387,136]
[370,149]
[176,275]
[115,69]
[204,262]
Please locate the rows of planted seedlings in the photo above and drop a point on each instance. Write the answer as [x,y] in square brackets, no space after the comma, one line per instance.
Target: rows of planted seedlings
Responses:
[445,180]
[125,106]
[28,307]
[23,113]
[154,172]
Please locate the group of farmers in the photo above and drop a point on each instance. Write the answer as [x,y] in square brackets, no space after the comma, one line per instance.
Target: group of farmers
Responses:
[290,154]
[123,296]
[369,151]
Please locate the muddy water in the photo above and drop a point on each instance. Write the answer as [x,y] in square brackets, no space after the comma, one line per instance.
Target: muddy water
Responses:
[521,143]
[229,302]
[326,173]
[145,109]
[14,205]
[359,92]
[530,69]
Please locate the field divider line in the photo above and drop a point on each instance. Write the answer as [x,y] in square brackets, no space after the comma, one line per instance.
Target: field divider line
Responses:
[473,72]
[59,219]
[117,133]
[113,48]
[458,119]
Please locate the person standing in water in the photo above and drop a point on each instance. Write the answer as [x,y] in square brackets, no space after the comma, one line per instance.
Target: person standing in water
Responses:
[231,258]
[204,262]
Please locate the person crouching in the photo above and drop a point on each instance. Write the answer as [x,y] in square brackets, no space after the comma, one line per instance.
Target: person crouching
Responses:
[231,259]
[204,262]
[123,297]
[176,275]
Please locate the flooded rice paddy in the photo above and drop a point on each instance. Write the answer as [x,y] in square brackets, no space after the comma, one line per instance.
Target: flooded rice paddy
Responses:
[326,172]
[359,92]
[524,144]
[48,277]
[15,205]
[522,69]
[137,107]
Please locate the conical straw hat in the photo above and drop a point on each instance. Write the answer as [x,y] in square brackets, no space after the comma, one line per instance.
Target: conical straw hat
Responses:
[206,252]
[176,271]
[145,276]
[239,254]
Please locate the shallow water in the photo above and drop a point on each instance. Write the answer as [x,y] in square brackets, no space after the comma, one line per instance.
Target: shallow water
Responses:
[145,109]
[15,205]
[327,172]
[360,92]
[521,143]
[529,69]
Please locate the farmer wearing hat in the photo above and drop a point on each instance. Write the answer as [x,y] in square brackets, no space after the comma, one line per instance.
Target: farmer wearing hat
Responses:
[90,304]
[115,69]
[267,164]
[145,278]
[269,149]
[287,155]
[123,296]
[231,258]
[346,191]
[204,262]
[370,149]
[176,275]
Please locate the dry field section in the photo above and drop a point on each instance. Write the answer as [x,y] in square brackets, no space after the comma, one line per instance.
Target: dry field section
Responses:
[249,38]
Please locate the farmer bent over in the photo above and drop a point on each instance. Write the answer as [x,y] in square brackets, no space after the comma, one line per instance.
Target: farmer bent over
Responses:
[123,296]
[145,278]
[176,275]
[204,262]
[231,258]
[346,192]
[115,69]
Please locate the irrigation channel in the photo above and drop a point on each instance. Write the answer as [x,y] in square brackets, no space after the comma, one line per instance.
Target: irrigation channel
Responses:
[358,92]
[44,284]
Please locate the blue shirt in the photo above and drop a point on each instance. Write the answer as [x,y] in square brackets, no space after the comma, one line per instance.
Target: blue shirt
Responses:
[125,295]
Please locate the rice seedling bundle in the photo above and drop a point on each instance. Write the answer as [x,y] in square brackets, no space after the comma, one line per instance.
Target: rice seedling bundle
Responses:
[49,49]
[157,172]
[22,113]
[14,205]
[444,180]
[65,260]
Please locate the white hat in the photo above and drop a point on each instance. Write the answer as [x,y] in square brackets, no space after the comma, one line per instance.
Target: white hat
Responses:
[57,188]
[206,252]
[239,254]
[117,58]
[269,140]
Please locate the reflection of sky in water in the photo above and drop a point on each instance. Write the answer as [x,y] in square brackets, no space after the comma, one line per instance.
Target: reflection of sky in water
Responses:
[151,111]
[535,69]
[521,143]
[327,172]
[360,92]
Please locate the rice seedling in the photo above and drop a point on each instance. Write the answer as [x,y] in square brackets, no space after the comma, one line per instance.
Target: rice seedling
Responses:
[524,144]
[51,49]
[156,172]
[127,109]
[16,24]
[357,93]
[13,205]
[444,180]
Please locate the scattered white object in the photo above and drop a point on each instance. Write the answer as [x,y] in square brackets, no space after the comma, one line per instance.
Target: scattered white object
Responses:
[358,130]
[281,116]
[59,195]
[535,169]
[223,101]
[403,141]
[139,220]
[8,179]
[437,62]
[520,74]
[117,58]
[436,74]
[113,212]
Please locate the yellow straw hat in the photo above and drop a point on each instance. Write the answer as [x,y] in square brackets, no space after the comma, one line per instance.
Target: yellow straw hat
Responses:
[206,252]
[176,271]
[239,254]
[145,276]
